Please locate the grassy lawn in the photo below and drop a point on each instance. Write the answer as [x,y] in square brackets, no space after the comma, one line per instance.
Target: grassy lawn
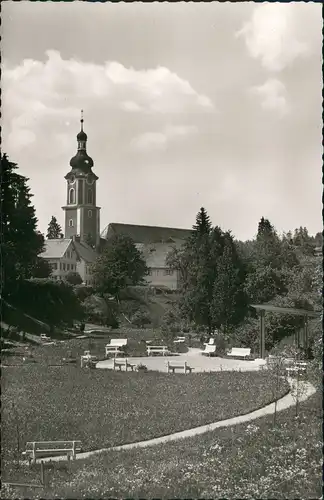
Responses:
[255,460]
[103,408]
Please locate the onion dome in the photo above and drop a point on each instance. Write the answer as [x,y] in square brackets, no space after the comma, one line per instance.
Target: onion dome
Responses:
[82,161]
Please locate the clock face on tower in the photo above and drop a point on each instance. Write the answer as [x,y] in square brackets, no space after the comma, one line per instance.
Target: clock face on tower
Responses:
[90,180]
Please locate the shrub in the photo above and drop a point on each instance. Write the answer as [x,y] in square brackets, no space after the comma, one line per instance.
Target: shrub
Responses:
[141,318]
[141,368]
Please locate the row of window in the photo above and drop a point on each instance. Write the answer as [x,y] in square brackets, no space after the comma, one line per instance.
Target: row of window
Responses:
[71,223]
[63,266]
[68,254]
[166,272]
[72,197]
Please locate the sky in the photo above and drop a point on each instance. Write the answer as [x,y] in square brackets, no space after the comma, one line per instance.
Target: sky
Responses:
[185,105]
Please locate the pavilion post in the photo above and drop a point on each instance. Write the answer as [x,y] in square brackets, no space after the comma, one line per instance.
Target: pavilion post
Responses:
[305,331]
[262,334]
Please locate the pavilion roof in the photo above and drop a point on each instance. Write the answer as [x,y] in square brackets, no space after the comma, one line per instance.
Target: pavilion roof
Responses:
[286,310]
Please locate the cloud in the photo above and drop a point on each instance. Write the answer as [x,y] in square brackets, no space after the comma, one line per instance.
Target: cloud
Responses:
[130,106]
[273,96]
[36,92]
[275,35]
[159,140]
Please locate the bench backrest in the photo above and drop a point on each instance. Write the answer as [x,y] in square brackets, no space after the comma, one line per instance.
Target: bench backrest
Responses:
[181,338]
[117,342]
[210,348]
[51,444]
[162,347]
[240,351]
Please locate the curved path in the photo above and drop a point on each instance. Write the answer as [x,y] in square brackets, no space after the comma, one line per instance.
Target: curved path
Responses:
[282,404]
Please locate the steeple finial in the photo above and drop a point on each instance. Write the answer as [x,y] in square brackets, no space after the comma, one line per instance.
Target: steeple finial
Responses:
[81,120]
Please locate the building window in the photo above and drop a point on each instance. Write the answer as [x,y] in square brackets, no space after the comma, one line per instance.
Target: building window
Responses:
[72,196]
[90,196]
[63,266]
[71,222]
[168,272]
[54,266]
[89,213]
[150,272]
[80,191]
[67,267]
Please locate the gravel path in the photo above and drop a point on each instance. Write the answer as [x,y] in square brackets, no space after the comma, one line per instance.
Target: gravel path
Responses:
[194,359]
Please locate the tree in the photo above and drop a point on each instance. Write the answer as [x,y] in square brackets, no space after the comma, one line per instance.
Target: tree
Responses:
[120,265]
[229,304]
[303,241]
[53,302]
[21,242]
[41,269]
[141,318]
[73,278]
[197,287]
[54,230]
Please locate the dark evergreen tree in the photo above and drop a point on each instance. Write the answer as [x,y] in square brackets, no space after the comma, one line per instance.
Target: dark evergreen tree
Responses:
[54,230]
[303,241]
[265,228]
[229,302]
[21,242]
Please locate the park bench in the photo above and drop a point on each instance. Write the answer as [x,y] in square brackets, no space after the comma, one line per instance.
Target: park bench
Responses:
[37,449]
[157,349]
[122,362]
[239,352]
[44,337]
[88,360]
[114,346]
[210,342]
[179,340]
[209,349]
[298,367]
[184,367]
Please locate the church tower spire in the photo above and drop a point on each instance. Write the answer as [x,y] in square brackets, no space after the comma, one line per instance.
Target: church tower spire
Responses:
[82,216]
[82,136]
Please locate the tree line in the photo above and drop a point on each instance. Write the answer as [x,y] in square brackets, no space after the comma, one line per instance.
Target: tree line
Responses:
[219,276]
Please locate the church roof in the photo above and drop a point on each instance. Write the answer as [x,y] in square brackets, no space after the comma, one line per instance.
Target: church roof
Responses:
[55,248]
[84,251]
[146,234]
[155,254]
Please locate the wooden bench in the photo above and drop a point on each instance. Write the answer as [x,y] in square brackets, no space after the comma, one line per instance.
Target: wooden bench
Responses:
[37,449]
[209,349]
[157,349]
[184,367]
[122,362]
[179,340]
[240,352]
[114,347]
[210,342]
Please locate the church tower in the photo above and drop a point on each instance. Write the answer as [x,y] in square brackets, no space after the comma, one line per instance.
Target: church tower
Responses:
[82,216]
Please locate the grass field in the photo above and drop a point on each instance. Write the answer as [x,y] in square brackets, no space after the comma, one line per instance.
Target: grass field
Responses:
[104,408]
[255,461]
